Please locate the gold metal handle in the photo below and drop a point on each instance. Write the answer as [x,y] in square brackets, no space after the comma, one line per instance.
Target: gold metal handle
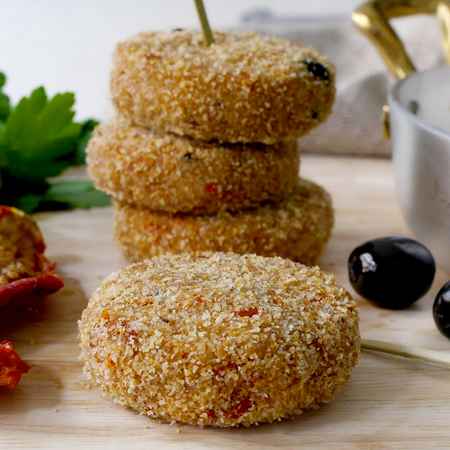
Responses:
[372,19]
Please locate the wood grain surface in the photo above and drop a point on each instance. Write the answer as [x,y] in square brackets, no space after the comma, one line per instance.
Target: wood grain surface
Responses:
[389,404]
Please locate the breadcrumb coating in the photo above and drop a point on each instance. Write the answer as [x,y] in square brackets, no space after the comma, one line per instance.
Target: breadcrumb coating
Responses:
[220,339]
[243,88]
[298,228]
[175,174]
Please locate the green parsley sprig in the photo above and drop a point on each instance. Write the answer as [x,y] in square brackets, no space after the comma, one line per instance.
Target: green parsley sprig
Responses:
[39,139]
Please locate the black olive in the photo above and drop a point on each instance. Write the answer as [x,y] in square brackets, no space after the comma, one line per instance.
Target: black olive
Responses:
[314,115]
[441,310]
[317,69]
[393,272]
[187,156]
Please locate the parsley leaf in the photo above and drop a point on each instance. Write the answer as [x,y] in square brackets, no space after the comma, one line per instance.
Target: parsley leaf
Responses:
[58,195]
[75,194]
[28,203]
[5,104]
[39,139]
[38,134]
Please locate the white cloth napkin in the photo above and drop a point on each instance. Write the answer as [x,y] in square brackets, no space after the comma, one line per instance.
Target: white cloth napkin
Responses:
[362,79]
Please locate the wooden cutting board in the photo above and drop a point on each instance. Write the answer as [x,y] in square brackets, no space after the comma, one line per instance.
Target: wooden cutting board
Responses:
[389,404]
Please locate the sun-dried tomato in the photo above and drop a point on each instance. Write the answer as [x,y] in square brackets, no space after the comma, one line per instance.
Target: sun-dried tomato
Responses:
[11,366]
[26,276]
[20,291]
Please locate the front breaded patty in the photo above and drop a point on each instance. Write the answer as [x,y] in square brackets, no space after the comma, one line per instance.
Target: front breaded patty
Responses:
[174,174]
[243,88]
[219,339]
[298,228]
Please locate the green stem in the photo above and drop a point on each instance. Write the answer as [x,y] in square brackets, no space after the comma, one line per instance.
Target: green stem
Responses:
[405,351]
[207,33]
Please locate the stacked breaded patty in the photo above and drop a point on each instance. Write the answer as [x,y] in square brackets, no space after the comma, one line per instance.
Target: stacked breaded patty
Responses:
[203,154]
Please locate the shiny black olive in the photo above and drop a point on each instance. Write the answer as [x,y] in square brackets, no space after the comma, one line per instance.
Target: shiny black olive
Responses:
[393,272]
[441,310]
[317,69]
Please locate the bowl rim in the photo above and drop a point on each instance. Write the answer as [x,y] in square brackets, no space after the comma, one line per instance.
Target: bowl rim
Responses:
[393,98]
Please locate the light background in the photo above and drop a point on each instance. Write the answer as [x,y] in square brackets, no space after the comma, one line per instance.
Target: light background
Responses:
[67,44]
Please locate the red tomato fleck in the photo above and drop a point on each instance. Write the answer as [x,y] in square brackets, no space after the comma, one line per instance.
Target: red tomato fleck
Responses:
[199,299]
[5,211]
[247,312]
[211,188]
[211,414]
[222,369]
[239,409]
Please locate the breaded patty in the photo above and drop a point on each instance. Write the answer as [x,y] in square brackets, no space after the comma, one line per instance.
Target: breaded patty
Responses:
[298,228]
[176,174]
[243,88]
[220,339]
[21,246]
[26,275]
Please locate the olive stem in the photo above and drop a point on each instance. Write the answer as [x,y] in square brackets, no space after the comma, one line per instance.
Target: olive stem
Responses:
[406,351]
[207,33]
